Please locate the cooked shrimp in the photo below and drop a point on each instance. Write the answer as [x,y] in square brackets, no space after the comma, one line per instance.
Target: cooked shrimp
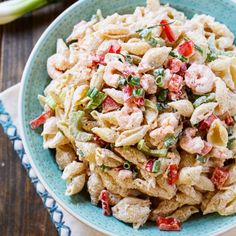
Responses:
[221,153]
[56,65]
[111,77]
[130,117]
[148,84]
[167,122]
[192,144]
[200,79]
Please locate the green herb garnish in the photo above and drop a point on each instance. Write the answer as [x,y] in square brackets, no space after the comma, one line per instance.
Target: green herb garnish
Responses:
[126,165]
[122,81]
[169,141]
[201,159]
[156,166]
[138,92]
[129,59]
[151,152]
[133,80]
[178,56]
[104,168]
[161,106]
[162,96]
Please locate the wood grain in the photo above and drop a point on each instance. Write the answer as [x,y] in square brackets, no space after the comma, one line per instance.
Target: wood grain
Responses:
[21,209]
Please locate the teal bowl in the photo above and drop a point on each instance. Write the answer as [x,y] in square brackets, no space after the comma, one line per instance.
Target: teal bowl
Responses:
[35,79]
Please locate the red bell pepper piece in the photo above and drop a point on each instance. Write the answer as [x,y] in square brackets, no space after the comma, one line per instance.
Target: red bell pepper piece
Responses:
[167,30]
[105,203]
[206,149]
[172,174]
[99,141]
[40,120]
[129,98]
[175,84]
[206,124]
[186,49]
[110,105]
[169,224]
[149,165]
[98,59]
[229,120]
[114,48]
[219,176]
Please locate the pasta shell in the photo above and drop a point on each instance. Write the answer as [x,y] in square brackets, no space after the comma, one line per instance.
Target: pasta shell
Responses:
[132,136]
[217,134]
[183,107]
[202,112]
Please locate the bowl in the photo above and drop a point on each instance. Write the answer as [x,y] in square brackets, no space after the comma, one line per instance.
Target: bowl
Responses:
[35,79]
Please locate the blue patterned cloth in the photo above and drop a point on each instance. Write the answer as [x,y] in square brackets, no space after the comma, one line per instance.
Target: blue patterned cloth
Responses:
[56,214]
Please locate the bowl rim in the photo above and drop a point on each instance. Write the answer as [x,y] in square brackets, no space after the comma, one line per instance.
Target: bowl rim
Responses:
[23,135]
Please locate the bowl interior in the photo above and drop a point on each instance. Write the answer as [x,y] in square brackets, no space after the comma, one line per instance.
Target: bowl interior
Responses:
[35,79]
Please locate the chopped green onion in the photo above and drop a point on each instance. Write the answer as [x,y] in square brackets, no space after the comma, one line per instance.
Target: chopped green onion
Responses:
[161,106]
[81,153]
[198,48]
[169,141]
[75,123]
[122,81]
[96,101]
[156,166]
[153,42]
[104,168]
[162,96]
[138,92]
[92,92]
[211,57]
[231,142]
[178,56]
[135,172]
[151,152]
[201,159]
[159,71]
[129,59]
[146,34]
[204,99]
[50,102]
[149,104]
[159,81]
[126,165]
[154,26]
[133,80]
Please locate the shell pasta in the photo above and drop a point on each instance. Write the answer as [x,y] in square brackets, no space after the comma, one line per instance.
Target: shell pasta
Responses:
[141,110]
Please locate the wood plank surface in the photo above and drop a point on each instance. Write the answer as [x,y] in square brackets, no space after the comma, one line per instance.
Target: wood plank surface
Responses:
[21,209]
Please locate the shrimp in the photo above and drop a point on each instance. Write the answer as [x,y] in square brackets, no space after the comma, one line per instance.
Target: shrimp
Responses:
[148,84]
[129,117]
[192,144]
[167,122]
[110,76]
[221,153]
[56,65]
[200,79]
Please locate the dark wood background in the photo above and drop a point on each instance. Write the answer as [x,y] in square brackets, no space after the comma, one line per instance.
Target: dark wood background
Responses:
[21,209]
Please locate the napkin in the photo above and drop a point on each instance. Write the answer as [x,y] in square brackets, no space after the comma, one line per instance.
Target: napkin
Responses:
[65,223]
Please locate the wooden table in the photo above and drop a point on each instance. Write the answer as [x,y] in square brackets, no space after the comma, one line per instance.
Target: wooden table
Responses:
[21,209]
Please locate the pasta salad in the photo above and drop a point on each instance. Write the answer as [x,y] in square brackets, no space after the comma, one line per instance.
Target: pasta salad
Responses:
[141,110]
